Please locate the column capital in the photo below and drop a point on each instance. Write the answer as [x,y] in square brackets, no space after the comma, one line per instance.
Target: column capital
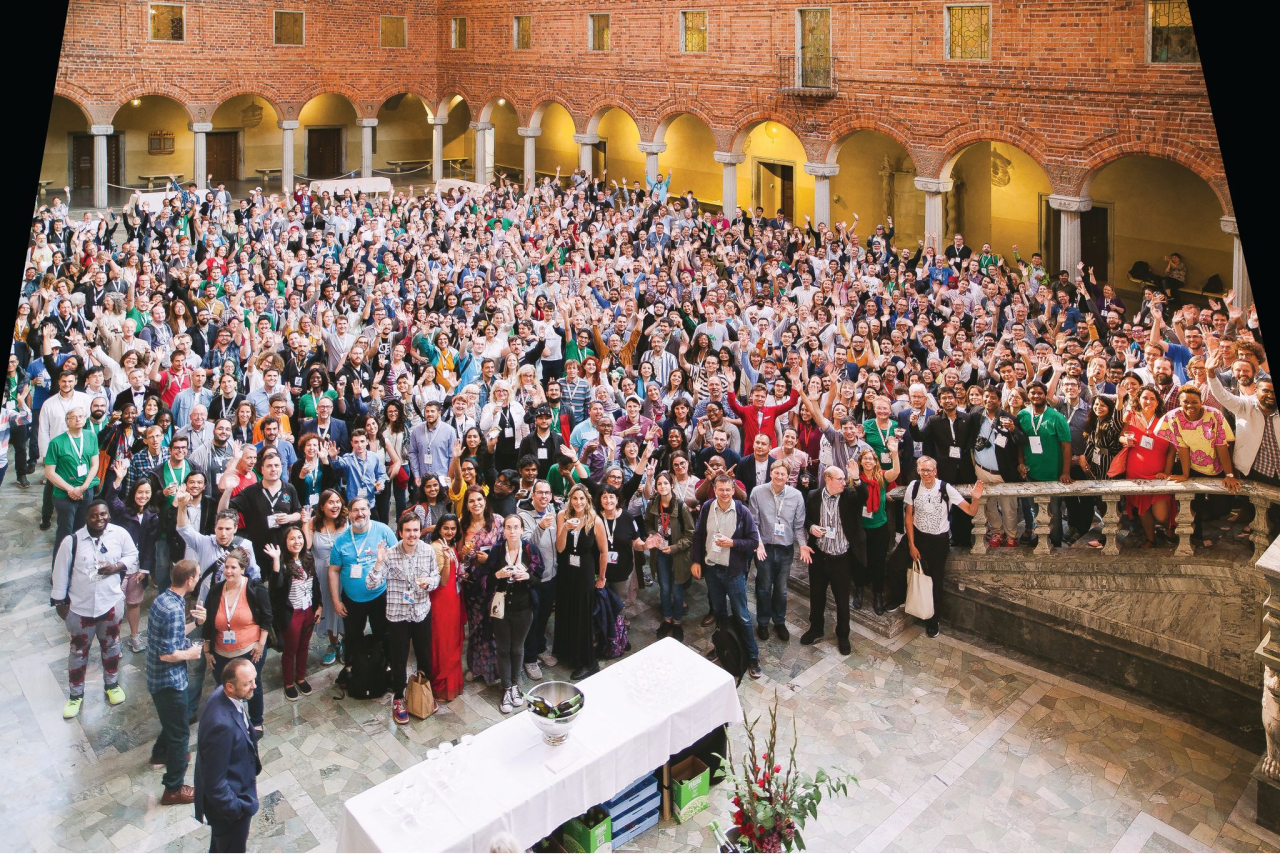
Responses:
[438,120]
[821,170]
[102,130]
[367,123]
[200,127]
[529,133]
[728,158]
[1070,204]
[289,125]
[1228,224]
[935,185]
[481,126]
[651,147]
[586,138]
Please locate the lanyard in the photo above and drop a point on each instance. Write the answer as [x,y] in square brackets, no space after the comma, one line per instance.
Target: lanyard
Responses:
[176,477]
[273,500]
[230,609]
[77,448]
[1035,424]
[664,521]
[357,548]
[610,526]
[884,437]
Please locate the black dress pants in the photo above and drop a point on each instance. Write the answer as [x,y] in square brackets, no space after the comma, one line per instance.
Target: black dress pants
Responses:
[835,571]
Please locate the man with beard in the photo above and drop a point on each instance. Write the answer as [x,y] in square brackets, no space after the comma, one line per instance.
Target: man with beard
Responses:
[430,444]
[212,458]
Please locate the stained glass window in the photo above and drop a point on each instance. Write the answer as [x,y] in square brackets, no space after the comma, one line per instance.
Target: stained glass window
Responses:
[968,32]
[694,25]
[168,22]
[1172,37]
[523,30]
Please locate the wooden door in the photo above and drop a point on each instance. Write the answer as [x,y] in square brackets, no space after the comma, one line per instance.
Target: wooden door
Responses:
[81,177]
[1095,243]
[787,175]
[324,152]
[222,156]
[815,48]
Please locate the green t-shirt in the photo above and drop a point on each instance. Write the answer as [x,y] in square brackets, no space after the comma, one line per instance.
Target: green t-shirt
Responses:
[880,518]
[307,403]
[876,439]
[1046,431]
[68,456]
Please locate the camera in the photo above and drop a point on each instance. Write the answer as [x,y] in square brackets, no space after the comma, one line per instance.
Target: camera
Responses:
[981,443]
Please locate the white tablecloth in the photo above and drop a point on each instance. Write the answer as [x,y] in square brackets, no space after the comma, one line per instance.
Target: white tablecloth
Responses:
[636,714]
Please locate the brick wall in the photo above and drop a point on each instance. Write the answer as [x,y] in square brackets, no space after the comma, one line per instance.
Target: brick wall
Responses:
[1068,82]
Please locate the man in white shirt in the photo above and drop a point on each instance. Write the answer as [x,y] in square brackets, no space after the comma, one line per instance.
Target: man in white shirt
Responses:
[89,597]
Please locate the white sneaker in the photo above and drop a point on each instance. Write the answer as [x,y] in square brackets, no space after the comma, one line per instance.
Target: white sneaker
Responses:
[137,644]
[548,659]
[517,698]
[533,671]
[506,706]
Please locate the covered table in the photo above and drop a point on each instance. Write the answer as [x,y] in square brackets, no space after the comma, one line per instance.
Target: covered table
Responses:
[636,714]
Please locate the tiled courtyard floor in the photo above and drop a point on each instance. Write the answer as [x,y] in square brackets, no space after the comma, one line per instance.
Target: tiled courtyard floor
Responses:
[956,747]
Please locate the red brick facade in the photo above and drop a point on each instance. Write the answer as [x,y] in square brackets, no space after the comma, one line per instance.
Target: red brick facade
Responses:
[1068,82]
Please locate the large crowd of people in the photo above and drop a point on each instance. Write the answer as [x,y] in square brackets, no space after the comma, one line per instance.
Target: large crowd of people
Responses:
[470,426]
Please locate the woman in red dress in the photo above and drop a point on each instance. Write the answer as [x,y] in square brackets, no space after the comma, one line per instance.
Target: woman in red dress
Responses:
[447,620]
[1150,457]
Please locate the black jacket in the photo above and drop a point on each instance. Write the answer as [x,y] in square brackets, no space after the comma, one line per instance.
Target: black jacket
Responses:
[746,472]
[852,500]
[938,443]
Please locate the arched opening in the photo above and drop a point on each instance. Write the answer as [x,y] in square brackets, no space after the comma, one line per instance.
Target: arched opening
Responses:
[402,139]
[690,144]
[506,152]
[617,149]
[1000,196]
[327,145]
[1158,207]
[68,150]
[772,177]
[459,140]
[876,181]
[245,143]
[554,147]
[155,141]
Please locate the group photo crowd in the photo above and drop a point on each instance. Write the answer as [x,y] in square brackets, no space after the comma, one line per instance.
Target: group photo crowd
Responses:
[456,433]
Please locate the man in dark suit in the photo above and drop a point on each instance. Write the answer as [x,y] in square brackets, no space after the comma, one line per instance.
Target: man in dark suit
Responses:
[946,439]
[328,428]
[833,517]
[913,419]
[227,763]
[754,470]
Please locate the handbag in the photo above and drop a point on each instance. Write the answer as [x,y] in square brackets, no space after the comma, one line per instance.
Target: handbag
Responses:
[1119,463]
[919,602]
[418,696]
[498,606]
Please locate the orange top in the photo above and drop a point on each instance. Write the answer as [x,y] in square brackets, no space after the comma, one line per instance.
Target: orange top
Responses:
[247,631]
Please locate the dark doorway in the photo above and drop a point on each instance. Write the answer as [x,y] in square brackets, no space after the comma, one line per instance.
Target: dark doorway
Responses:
[775,187]
[324,152]
[599,151]
[82,161]
[1095,240]
[221,156]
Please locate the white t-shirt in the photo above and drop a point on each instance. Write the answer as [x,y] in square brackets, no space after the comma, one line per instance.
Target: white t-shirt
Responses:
[930,511]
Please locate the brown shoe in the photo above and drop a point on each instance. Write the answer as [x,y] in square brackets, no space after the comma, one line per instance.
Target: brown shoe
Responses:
[709,620]
[180,795]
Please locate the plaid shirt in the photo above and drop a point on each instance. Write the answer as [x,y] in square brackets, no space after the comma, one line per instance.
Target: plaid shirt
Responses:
[1267,461]
[166,634]
[140,466]
[575,395]
[406,601]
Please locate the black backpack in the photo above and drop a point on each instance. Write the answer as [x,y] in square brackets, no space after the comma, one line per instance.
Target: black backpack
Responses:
[370,676]
[731,652]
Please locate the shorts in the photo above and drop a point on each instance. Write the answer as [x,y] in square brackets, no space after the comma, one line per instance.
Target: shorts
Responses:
[133,587]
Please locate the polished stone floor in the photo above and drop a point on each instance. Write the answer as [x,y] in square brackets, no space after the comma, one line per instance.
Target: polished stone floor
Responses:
[956,747]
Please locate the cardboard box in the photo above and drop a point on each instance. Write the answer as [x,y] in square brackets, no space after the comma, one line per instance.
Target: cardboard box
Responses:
[690,783]
[577,836]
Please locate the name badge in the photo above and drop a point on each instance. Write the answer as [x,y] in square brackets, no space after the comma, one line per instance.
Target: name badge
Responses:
[779,529]
[919,448]
[866,514]
[228,638]
[886,459]
[1036,446]
[1147,442]
[1001,440]
[542,453]
[82,469]
[509,432]
[613,557]
[1097,457]
[357,572]
[575,560]
[313,499]
[408,598]
[955,452]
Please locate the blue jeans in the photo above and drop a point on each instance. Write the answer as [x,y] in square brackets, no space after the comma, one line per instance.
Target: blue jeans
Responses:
[771,584]
[672,593]
[164,566]
[720,583]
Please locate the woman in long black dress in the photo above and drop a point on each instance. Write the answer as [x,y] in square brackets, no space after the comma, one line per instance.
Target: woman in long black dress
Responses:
[581,543]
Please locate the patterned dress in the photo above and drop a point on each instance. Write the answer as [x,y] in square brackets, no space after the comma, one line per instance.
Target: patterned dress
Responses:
[482,649]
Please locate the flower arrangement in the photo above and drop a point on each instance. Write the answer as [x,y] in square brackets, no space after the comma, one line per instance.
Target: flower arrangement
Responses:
[772,804]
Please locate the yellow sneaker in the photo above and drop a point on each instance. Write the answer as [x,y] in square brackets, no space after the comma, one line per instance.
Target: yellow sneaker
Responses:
[115,695]
[72,708]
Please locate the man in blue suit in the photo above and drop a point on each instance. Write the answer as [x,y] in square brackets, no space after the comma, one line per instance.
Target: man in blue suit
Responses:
[227,763]
[328,428]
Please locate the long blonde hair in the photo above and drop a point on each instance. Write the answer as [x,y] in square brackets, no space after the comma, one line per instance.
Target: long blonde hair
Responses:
[589,517]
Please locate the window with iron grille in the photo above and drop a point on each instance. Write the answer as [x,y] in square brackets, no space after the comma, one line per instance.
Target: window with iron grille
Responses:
[458,33]
[289,27]
[522,32]
[968,32]
[168,22]
[693,32]
[394,31]
[599,32]
[1172,37]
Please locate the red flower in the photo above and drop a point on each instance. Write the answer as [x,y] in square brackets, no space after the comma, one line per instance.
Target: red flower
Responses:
[777,769]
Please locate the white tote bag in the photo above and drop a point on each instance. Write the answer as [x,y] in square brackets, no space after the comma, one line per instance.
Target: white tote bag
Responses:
[919,592]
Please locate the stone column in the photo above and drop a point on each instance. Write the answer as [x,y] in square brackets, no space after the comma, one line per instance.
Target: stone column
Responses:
[437,146]
[1239,272]
[728,179]
[530,137]
[484,169]
[651,150]
[286,158]
[199,160]
[1069,209]
[933,189]
[585,142]
[1267,772]
[822,174]
[366,146]
[100,134]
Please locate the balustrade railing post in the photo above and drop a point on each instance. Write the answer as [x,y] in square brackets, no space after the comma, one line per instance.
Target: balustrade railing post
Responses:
[980,528]
[1111,524]
[1043,525]
[1261,525]
[1186,524]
